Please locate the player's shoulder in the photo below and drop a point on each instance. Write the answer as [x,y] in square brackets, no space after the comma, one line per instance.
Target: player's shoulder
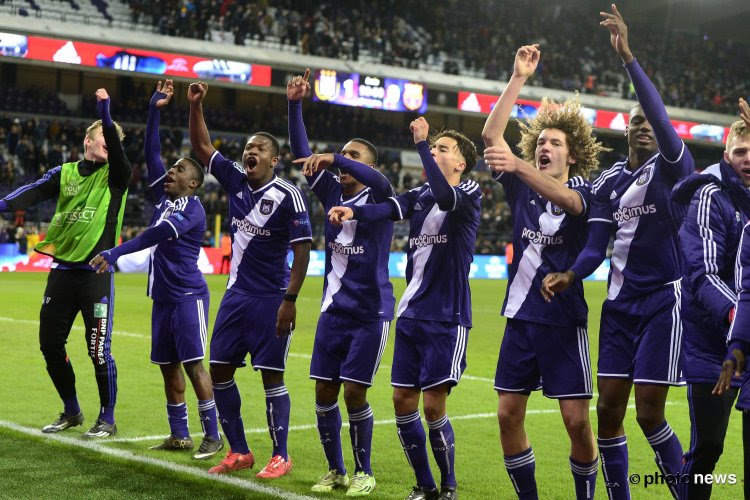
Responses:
[578,182]
[608,176]
[292,193]
[471,188]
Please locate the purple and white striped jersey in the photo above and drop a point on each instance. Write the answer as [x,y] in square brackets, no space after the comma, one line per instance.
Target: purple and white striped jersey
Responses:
[645,222]
[173,274]
[356,280]
[546,239]
[263,224]
[441,249]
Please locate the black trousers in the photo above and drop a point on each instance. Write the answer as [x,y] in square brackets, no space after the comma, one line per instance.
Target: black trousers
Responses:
[709,418]
[67,293]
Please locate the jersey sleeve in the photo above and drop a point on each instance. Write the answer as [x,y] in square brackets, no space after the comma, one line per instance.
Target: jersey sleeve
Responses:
[298,223]
[600,206]
[230,174]
[583,188]
[182,221]
[326,187]
[468,198]
[404,203]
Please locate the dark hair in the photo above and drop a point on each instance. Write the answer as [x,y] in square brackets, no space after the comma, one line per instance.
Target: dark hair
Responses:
[465,146]
[274,143]
[370,147]
[198,173]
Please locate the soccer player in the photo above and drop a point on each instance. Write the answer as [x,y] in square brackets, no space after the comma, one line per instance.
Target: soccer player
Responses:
[91,197]
[267,214]
[434,314]
[641,329]
[719,208]
[358,301]
[549,202]
[179,317]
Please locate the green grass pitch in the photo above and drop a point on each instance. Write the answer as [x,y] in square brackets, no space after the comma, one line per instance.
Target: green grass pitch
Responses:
[36,466]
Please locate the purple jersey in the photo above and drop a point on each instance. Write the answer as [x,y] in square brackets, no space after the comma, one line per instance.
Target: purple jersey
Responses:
[441,249]
[546,239]
[356,281]
[173,274]
[264,223]
[645,221]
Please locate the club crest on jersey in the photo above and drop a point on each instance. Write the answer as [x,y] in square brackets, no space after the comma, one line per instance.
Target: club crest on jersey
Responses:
[556,210]
[266,207]
[645,176]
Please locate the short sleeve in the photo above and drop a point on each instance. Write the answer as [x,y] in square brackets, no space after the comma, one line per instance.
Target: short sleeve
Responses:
[298,223]
[583,188]
[230,174]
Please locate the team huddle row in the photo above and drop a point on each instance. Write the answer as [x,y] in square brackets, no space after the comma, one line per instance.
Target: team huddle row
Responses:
[675,313]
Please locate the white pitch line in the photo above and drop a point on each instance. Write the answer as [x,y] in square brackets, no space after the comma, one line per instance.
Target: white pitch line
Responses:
[307,427]
[171,466]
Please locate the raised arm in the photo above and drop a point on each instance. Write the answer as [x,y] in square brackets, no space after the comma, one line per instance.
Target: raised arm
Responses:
[199,137]
[445,196]
[527,59]
[297,88]
[501,159]
[670,144]
[119,166]
[154,163]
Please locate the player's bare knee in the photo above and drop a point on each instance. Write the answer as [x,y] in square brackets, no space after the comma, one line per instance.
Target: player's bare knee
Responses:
[649,416]
[272,378]
[405,401]
[355,395]
[220,373]
[326,392]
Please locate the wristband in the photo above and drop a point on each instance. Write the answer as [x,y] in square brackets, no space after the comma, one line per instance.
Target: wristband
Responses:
[290,297]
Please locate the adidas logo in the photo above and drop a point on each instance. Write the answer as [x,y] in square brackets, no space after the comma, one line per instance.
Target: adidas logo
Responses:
[613,195]
[418,206]
[239,195]
[533,202]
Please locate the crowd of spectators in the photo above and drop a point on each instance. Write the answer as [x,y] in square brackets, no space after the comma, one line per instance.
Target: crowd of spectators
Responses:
[477,38]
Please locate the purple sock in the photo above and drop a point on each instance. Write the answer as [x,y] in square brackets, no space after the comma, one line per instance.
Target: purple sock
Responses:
[107,414]
[329,428]
[614,456]
[207,415]
[413,440]
[360,431]
[277,415]
[584,477]
[70,405]
[444,449]
[177,414]
[668,452]
[228,404]
[521,468]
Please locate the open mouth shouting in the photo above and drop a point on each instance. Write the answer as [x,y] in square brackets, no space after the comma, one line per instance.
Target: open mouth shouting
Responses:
[544,161]
[251,163]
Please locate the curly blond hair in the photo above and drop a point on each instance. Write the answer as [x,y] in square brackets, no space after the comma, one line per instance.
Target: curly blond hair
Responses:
[568,118]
